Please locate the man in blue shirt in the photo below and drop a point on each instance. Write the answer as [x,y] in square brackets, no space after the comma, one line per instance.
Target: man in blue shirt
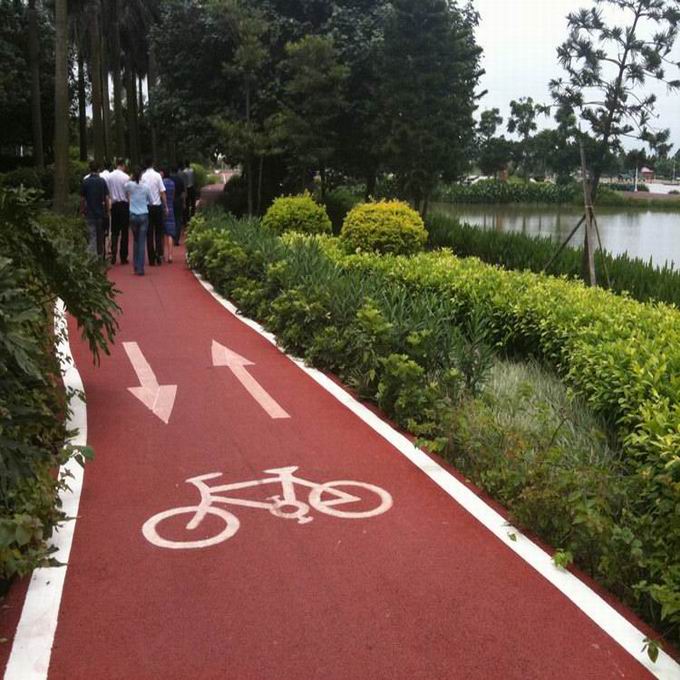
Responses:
[95,205]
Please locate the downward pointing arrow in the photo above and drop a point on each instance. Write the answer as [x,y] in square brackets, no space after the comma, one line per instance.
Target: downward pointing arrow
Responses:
[222,356]
[159,399]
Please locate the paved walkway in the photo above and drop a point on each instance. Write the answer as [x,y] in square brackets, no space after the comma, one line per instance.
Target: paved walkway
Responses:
[344,562]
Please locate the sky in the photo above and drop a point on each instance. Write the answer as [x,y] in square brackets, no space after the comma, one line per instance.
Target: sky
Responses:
[520,38]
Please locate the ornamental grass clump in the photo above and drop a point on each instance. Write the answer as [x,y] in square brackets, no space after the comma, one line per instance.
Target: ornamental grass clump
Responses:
[297,213]
[384,227]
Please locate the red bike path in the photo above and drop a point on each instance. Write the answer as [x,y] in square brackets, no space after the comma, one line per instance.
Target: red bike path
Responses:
[422,591]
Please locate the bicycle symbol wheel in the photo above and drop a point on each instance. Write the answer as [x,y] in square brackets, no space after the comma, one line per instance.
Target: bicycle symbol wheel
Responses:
[150,528]
[340,497]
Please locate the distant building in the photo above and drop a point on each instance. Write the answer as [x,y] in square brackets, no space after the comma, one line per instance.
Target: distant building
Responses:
[647,175]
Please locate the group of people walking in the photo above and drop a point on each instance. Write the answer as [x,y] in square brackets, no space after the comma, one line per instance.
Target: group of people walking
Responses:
[154,205]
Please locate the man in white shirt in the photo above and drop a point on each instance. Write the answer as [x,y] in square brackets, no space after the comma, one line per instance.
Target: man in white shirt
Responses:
[120,212]
[157,210]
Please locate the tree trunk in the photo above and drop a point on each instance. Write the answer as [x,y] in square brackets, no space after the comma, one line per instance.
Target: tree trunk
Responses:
[82,99]
[34,60]
[249,161]
[131,96]
[140,95]
[119,146]
[61,42]
[106,103]
[588,264]
[96,81]
[259,186]
[371,181]
[322,175]
[151,81]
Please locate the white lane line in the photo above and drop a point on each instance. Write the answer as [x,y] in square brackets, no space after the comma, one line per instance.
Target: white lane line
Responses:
[587,600]
[32,646]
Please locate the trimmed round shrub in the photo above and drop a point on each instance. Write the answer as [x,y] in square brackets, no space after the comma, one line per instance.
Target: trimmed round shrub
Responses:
[384,227]
[297,213]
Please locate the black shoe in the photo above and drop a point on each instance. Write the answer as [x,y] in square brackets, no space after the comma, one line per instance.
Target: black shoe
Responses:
[123,261]
[113,260]
[159,260]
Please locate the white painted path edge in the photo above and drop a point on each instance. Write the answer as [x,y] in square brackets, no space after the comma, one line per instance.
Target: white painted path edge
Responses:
[587,600]
[32,646]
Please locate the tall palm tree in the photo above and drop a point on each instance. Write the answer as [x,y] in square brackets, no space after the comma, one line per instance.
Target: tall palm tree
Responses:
[116,76]
[93,15]
[82,91]
[61,106]
[34,61]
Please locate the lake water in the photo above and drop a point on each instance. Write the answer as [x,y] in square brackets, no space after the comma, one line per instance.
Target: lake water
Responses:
[639,232]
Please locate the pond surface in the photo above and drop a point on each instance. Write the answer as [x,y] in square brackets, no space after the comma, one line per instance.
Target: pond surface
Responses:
[640,232]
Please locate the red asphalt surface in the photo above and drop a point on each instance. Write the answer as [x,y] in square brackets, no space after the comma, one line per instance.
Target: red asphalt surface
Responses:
[422,591]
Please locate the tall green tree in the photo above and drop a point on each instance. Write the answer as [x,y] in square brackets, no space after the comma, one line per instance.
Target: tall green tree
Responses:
[608,63]
[312,102]
[522,120]
[244,137]
[431,70]
[61,106]
[34,59]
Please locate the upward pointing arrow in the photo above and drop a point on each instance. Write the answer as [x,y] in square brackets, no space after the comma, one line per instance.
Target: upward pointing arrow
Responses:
[159,399]
[223,356]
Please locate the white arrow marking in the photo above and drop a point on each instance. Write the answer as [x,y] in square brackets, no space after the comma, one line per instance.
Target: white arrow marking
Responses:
[159,399]
[221,356]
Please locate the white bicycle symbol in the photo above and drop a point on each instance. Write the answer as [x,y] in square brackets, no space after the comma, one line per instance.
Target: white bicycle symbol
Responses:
[324,497]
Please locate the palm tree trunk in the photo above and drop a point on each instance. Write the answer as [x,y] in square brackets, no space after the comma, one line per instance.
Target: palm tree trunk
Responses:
[61,42]
[131,98]
[152,79]
[82,98]
[95,79]
[106,102]
[117,81]
[34,60]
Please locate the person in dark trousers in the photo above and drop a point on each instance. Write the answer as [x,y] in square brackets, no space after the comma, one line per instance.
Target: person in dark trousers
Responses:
[95,205]
[157,210]
[120,212]
[180,202]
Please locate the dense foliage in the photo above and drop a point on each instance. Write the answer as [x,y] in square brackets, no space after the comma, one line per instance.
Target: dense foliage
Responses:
[43,257]
[297,213]
[494,191]
[334,88]
[384,227]
[641,280]
[415,334]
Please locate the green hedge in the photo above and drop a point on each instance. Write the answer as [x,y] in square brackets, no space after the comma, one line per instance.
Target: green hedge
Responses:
[641,280]
[43,257]
[494,191]
[391,327]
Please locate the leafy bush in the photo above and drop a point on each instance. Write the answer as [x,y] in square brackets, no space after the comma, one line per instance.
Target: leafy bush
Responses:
[641,280]
[626,186]
[384,227]
[495,191]
[42,258]
[297,213]
[400,330]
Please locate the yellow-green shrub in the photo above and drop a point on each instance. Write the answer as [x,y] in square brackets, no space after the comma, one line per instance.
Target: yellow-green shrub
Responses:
[297,213]
[384,227]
